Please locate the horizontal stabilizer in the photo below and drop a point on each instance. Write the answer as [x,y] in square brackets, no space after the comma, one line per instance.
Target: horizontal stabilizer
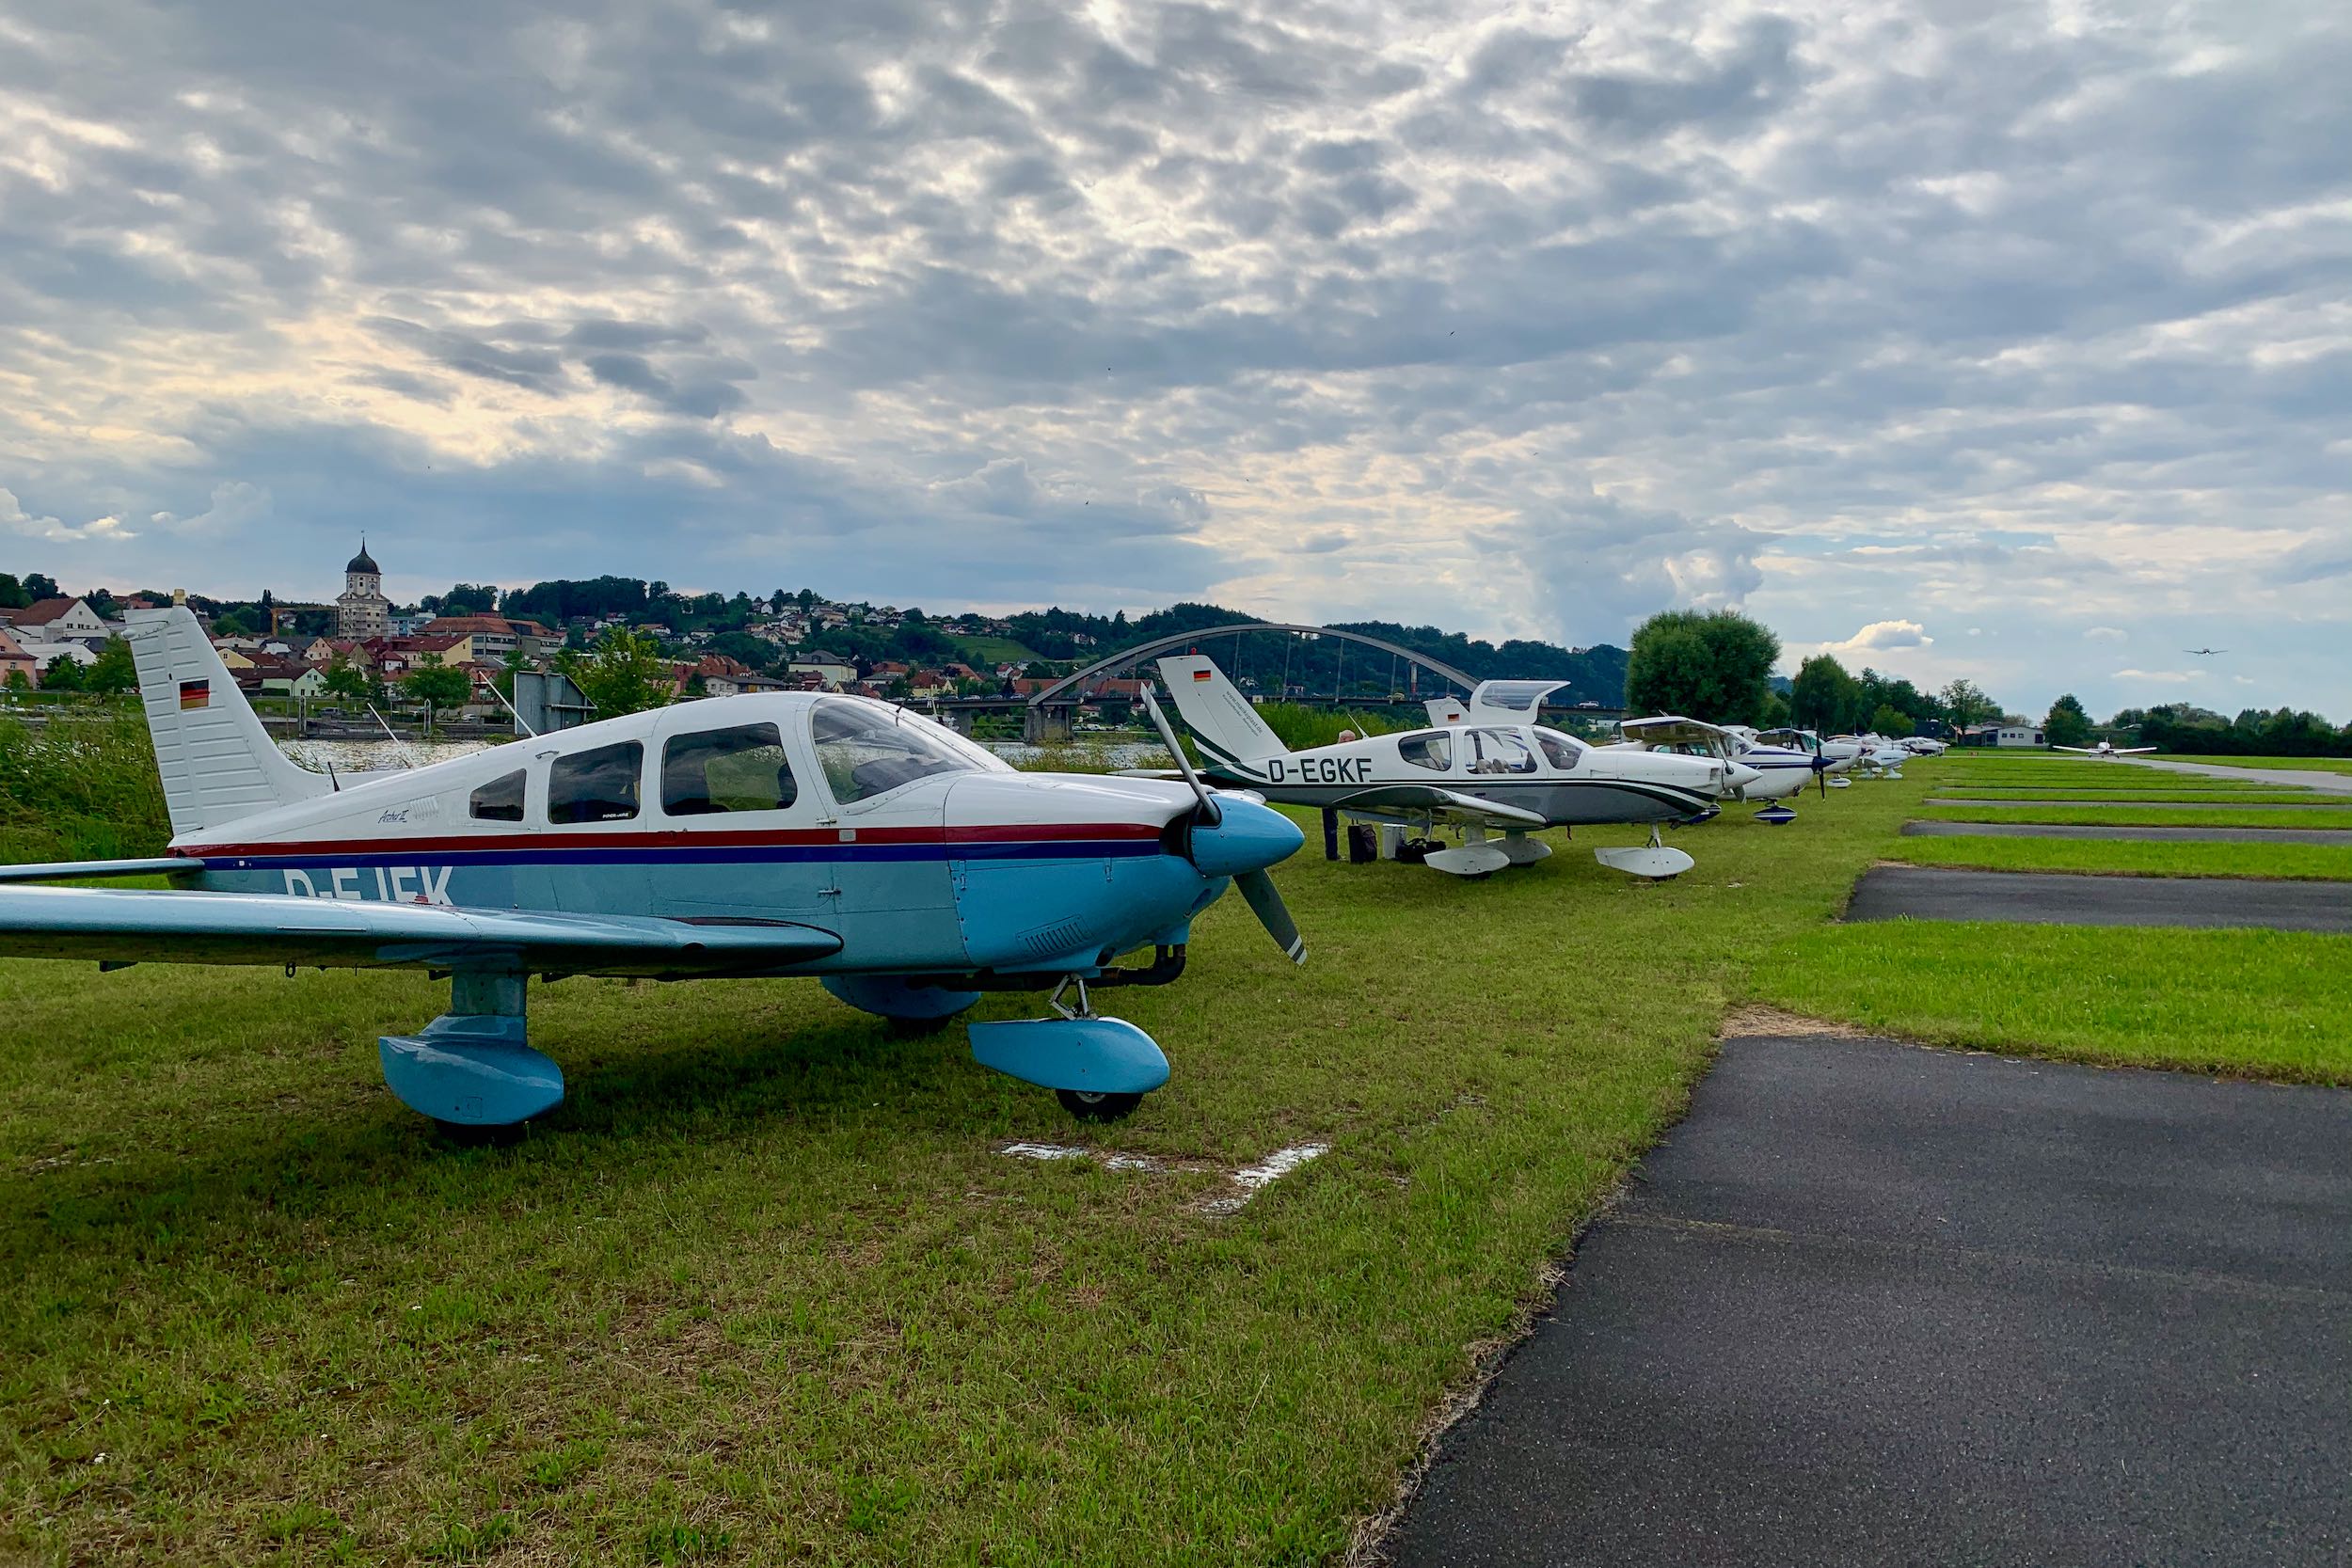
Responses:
[132,925]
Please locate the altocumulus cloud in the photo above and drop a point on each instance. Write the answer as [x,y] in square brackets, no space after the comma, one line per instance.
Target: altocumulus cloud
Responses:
[1524,321]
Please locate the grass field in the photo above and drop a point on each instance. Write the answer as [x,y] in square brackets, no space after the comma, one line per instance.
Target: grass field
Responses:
[2217,816]
[2296,862]
[2255,1003]
[983,652]
[1946,790]
[2315,764]
[763,1289]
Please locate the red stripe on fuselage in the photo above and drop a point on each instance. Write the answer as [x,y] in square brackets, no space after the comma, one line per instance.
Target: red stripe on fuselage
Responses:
[1032,833]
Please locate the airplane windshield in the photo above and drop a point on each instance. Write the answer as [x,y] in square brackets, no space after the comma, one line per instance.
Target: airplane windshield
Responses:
[1500,752]
[865,752]
[1559,750]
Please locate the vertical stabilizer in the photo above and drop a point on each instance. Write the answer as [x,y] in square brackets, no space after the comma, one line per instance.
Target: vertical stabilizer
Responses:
[217,762]
[1220,717]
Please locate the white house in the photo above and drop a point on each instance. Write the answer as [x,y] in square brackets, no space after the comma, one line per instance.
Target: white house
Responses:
[2017,735]
[834,673]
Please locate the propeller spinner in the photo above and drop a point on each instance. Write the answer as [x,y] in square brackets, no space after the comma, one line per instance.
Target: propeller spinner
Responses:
[1203,848]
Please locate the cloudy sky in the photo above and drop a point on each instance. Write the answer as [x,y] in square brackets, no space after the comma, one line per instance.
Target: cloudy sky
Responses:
[2007,340]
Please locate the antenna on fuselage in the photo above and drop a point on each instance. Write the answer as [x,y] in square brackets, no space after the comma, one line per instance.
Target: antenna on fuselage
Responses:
[390,736]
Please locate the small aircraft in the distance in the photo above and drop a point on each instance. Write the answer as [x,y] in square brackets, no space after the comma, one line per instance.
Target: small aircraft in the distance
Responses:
[2200,653]
[2106,749]
[759,836]
[1485,765]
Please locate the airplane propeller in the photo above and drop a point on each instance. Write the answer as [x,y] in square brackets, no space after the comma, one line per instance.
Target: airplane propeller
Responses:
[1256,887]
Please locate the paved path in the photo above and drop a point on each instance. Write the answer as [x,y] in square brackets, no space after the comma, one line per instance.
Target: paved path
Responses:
[2285,778]
[2058,898]
[2141,835]
[1870,1303]
[2221,803]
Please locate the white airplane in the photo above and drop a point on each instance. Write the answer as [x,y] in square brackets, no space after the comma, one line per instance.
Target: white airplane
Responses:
[2107,749]
[1837,758]
[1874,755]
[767,834]
[1751,772]
[1484,766]
[1923,746]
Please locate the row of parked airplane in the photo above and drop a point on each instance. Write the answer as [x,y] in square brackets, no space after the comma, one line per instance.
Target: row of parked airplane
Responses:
[809,835]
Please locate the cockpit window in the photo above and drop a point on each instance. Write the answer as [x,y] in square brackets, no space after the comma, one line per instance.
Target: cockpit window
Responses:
[739,769]
[1433,750]
[1500,752]
[1559,750]
[868,752]
[598,785]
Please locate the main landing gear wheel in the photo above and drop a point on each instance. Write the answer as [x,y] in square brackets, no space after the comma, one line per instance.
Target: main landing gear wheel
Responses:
[1098,1107]
[470,1135]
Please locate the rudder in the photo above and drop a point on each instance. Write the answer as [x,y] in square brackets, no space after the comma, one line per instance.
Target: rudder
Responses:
[1222,720]
[217,762]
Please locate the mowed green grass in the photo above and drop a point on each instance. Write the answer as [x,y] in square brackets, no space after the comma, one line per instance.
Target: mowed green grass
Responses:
[764,1290]
[2145,816]
[2256,1004]
[2314,765]
[2297,862]
[2128,796]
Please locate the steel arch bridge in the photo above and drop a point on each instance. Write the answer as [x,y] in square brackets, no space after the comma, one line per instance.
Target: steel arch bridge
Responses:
[1067,690]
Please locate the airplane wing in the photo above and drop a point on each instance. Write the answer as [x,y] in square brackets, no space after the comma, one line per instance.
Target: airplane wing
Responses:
[83,871]
[2132,750]
[2078,751]
[120,925]
[1670,730]
[1429,800]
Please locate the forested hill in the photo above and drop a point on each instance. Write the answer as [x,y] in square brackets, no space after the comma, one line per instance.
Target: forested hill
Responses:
[1273,659]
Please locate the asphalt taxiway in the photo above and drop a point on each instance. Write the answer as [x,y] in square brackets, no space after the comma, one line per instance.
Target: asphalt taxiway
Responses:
[2058,898]
[1875,1304]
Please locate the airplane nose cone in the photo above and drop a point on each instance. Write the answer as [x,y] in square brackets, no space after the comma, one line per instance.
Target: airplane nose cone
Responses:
[1741,775]
[1247,837]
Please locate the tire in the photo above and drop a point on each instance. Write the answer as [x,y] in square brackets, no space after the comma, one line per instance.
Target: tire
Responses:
[1098,1107]
[467,1134]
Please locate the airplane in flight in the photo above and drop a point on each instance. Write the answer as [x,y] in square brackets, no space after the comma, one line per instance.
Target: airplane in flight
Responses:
[1484,766]
[2106,749]
[2204,652]
[766,834]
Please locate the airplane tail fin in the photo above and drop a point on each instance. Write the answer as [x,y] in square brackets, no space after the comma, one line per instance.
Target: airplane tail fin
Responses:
[1227,728]
[217,762]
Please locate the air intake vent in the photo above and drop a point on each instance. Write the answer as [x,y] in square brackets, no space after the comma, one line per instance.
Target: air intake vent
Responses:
[1062,937]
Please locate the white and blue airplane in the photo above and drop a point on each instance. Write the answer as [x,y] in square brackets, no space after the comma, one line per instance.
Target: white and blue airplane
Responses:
[774,835]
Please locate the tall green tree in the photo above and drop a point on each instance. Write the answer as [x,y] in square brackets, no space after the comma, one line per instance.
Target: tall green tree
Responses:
[1823,696]
[2068,723]
[346,682]
[1891,722]
[1713,665]
[436,685]
[115,671]
[40,585]
[12,594]
[623,672]
[1966,703]
[64,674]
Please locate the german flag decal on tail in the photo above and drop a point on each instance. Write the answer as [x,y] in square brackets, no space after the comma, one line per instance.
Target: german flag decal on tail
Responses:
[1203,674]
[196,694]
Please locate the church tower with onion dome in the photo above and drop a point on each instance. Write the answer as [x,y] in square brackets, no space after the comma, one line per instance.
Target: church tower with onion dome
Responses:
[361,610]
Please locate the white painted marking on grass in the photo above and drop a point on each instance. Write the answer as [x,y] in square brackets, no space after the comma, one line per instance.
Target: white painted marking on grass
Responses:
[1248,1181]
[1253,1179]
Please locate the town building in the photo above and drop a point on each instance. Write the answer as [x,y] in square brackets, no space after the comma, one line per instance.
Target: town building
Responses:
[361,610]
[58,621]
